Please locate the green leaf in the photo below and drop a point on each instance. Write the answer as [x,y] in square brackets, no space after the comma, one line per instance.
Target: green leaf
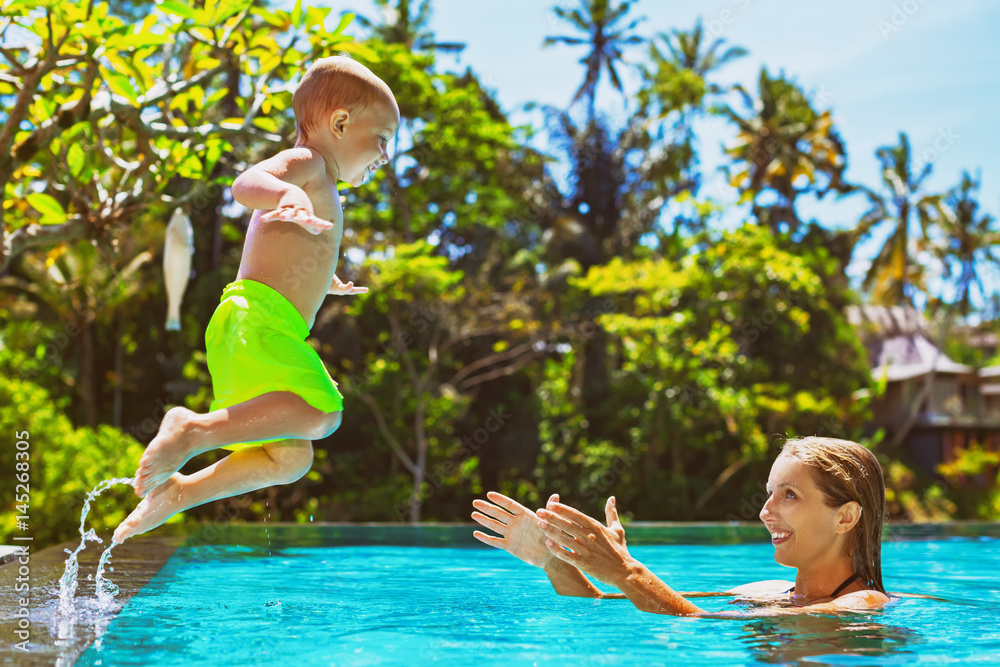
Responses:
[297,13]
[190,167]
[269,61]
[136,40]
[226,8]
[266,124]
[213,151]
[52,211]
[271,18]
[345,20]
[197,96]
[182,9]
[46,107]
[121,85]
[75,158]
[316,17]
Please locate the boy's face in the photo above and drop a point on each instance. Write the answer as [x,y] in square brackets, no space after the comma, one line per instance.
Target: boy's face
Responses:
[363,140]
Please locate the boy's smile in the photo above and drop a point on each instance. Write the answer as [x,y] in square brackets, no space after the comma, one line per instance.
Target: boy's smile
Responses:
[363,141]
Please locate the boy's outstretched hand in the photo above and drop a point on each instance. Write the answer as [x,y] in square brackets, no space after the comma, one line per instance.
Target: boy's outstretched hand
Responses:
[300,216]
[341,289]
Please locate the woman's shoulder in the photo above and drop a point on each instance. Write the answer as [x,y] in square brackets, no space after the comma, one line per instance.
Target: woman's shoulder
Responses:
[763,588]
[866,599]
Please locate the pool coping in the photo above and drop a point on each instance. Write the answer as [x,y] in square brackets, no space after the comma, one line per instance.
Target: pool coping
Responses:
[288,534]
[141,557]
[195,534]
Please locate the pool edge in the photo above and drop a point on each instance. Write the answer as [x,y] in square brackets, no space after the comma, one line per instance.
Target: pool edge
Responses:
[136,562]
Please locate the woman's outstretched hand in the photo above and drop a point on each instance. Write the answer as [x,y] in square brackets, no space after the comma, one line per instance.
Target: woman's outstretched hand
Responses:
[598,550]
[518,526]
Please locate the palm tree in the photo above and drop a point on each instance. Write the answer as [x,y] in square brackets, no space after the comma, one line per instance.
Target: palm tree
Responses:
[969,244]
[604,38]
[896,274]
[686,52]
[786,147]
[402,25]
[678,82]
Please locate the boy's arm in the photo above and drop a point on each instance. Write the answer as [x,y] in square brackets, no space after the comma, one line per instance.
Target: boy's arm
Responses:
[277,184]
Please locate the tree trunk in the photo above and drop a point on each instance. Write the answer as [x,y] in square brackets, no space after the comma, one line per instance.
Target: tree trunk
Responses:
[86,388]
[119,376]
[421,467]
[595,367]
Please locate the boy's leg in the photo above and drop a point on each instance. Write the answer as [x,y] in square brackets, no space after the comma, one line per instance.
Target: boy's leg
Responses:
[184,433]
[242,471]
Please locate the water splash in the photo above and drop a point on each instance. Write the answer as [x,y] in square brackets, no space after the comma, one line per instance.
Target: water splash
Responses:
[106,590]
[68,582]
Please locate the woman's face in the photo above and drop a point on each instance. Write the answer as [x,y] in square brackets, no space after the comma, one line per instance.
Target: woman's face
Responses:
[803,528]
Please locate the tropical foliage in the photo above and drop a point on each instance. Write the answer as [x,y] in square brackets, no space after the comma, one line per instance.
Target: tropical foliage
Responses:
[785,148]
[896,274]
[524,331]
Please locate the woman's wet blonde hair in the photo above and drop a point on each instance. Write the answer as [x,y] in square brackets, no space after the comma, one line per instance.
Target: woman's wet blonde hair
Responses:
[337,82]
[845,472]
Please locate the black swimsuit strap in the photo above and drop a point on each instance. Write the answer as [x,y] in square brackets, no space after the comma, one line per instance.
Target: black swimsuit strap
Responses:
[847,582]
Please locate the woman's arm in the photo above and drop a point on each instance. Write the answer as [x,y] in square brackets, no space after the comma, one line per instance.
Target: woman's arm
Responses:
[569,581]
[600,551]
[521,538]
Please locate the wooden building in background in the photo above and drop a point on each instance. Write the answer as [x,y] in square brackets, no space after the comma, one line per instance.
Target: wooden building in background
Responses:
[932,404]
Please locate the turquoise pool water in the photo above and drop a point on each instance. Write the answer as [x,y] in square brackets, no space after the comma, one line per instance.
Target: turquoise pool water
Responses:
[372,605]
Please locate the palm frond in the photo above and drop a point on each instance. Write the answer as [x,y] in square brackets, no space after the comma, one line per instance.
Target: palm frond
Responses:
[561,39]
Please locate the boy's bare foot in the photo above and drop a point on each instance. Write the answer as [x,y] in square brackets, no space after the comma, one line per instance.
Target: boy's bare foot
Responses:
[169,450]
[162,503]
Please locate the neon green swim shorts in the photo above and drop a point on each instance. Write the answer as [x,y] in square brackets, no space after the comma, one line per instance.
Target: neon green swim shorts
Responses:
[255,344]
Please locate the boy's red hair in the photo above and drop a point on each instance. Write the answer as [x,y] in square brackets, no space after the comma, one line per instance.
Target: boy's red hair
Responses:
[337,82]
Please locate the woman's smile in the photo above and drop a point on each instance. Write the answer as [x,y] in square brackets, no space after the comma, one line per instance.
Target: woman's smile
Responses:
[779,536]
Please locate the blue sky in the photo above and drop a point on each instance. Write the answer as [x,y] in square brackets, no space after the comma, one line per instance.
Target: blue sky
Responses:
[930,69]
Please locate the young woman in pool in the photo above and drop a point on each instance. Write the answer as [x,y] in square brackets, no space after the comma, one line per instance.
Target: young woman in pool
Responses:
[825,512]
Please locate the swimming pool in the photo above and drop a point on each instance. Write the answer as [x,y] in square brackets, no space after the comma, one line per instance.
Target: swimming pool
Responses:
[355,597]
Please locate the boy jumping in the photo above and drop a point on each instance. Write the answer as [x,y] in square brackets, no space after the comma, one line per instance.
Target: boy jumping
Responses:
[273,395]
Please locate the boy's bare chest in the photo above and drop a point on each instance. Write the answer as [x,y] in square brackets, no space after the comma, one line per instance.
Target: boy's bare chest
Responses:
[326,204]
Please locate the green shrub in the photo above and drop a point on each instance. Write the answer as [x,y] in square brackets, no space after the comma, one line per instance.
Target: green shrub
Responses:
[65,464]
[974,475]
